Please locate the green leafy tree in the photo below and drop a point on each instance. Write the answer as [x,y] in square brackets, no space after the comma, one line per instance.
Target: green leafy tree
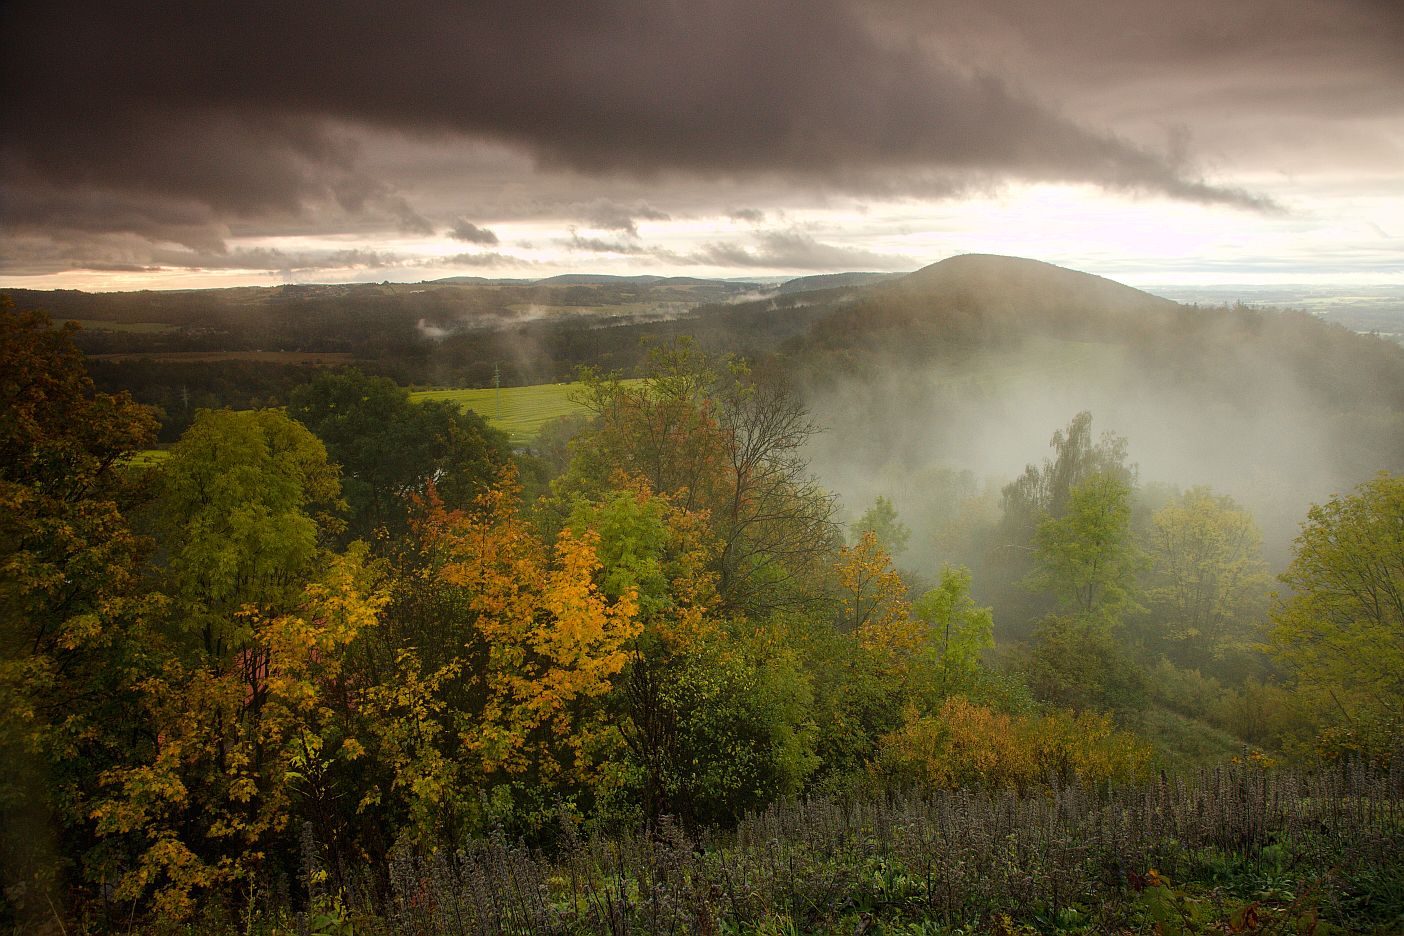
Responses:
[1078,663]
[882,520]
[958,630]
[1088,561]
[247,504]
[1041,493]
[713,713]
[1340,632]
[1047,491]
[1086,557]
[389,448]
[1208,582]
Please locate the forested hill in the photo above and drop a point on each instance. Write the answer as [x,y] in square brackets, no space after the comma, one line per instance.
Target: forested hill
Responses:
[974,298]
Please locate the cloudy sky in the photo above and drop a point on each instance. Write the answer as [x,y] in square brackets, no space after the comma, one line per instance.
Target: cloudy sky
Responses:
[178,143]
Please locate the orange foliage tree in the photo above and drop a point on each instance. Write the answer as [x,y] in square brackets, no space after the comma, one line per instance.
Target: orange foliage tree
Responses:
[509,702]
[969,745]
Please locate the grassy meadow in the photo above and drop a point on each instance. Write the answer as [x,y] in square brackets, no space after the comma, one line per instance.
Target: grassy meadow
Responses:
[518,411]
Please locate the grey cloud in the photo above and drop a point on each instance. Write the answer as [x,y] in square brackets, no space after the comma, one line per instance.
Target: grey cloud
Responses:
[254,110]
[796,250]
[627,247]
[487,259]
[749,215]
[276,261]
[467,231]
[606,215]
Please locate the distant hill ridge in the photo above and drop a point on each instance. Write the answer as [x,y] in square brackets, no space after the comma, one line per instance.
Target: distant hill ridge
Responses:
[1031,285]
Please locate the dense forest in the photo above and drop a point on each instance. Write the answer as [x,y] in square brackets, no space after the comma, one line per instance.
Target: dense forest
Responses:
[994,598]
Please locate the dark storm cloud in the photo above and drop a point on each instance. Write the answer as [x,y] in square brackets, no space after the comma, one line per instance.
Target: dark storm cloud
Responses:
[251,109]
[470,233]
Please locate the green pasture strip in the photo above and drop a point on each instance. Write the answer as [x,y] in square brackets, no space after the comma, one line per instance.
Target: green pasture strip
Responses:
[147,458]
[518,411]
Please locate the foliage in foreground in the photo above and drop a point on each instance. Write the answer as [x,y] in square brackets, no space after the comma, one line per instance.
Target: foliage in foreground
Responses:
[1238,849]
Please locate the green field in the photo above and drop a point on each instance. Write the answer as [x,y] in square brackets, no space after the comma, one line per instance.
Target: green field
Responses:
[148,458]
[518,411]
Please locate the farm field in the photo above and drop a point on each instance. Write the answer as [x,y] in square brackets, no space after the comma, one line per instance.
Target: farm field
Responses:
[518,411]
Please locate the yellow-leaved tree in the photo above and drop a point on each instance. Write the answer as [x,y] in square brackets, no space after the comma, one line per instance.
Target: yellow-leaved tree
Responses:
[241,712]
[504,646]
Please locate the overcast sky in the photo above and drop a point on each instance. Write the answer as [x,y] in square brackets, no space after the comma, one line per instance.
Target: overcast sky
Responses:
[178,143]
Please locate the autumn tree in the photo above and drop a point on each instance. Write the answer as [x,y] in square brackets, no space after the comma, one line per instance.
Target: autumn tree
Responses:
[239,749]
[492,668]
[70,599]
[1340,631]
[965,745]
[257,615]
[712,438]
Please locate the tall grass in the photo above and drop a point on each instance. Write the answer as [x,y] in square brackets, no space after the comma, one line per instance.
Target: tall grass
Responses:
[930,862]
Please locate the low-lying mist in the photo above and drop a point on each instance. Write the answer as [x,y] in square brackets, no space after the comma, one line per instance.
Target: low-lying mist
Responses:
[929,437]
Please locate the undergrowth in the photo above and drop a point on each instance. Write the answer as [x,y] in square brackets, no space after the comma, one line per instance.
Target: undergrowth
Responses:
[1237,850]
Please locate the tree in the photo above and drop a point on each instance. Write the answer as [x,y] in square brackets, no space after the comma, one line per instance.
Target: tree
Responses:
[1341,631]
[1208,585]
[714,713]
[1087,557]
[1087,560]
[70,600]
[1040,494]
[246,503]
[872,595]
[969,745]
[258,614]
[881,518]
[493,669]
[711,438]
[236,749]
[1047,491]
[389,448]
[958,629]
